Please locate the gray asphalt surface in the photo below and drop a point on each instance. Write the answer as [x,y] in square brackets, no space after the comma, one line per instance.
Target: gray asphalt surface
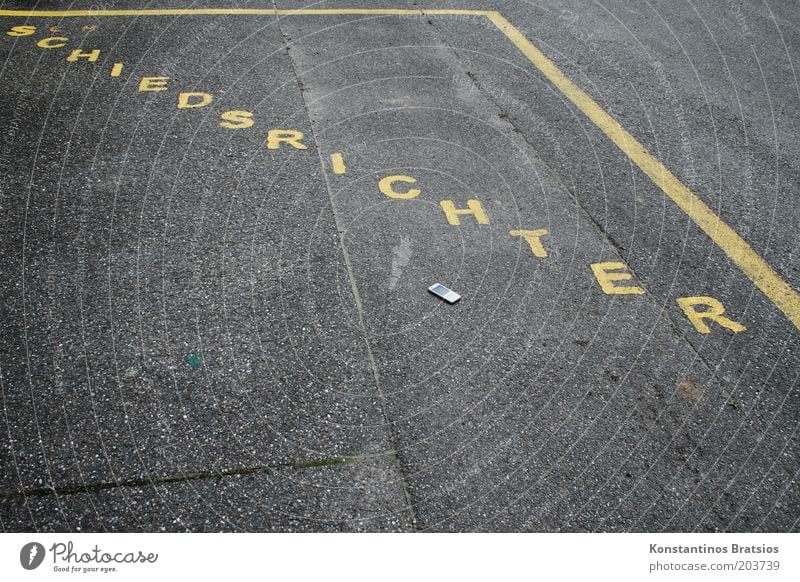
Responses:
[202,333]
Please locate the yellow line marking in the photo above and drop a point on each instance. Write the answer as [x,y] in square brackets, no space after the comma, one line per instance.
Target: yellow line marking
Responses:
[386,11]
[734,246]
[244,11]
[757,270]
[337,162]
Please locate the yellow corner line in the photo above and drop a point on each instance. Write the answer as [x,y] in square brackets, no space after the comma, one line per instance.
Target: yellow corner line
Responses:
[734,246]
[245,11]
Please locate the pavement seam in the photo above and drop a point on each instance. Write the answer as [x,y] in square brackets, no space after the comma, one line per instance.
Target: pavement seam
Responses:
[354,290]
[740,424]
[17,494]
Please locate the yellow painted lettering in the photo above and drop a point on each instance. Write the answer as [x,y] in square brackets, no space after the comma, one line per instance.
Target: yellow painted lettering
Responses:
[713,310]
[52,42]
[21,31]
[473,207]
[534,238]
[79,54]
[194,100]
[337,163]
[236,119]
[116,70]
[276,137]
[153,84]
[386,185]
[604,272]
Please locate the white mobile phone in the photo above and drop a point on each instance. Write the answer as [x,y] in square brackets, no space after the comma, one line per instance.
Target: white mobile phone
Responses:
[441,291]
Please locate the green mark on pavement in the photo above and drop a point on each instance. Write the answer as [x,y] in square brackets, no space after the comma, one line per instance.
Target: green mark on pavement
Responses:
[194,360]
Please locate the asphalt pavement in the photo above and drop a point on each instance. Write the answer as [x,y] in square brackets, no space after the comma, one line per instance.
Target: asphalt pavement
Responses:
[219,228]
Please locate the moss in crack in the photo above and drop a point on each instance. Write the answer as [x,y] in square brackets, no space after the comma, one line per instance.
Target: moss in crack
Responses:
[21,494]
